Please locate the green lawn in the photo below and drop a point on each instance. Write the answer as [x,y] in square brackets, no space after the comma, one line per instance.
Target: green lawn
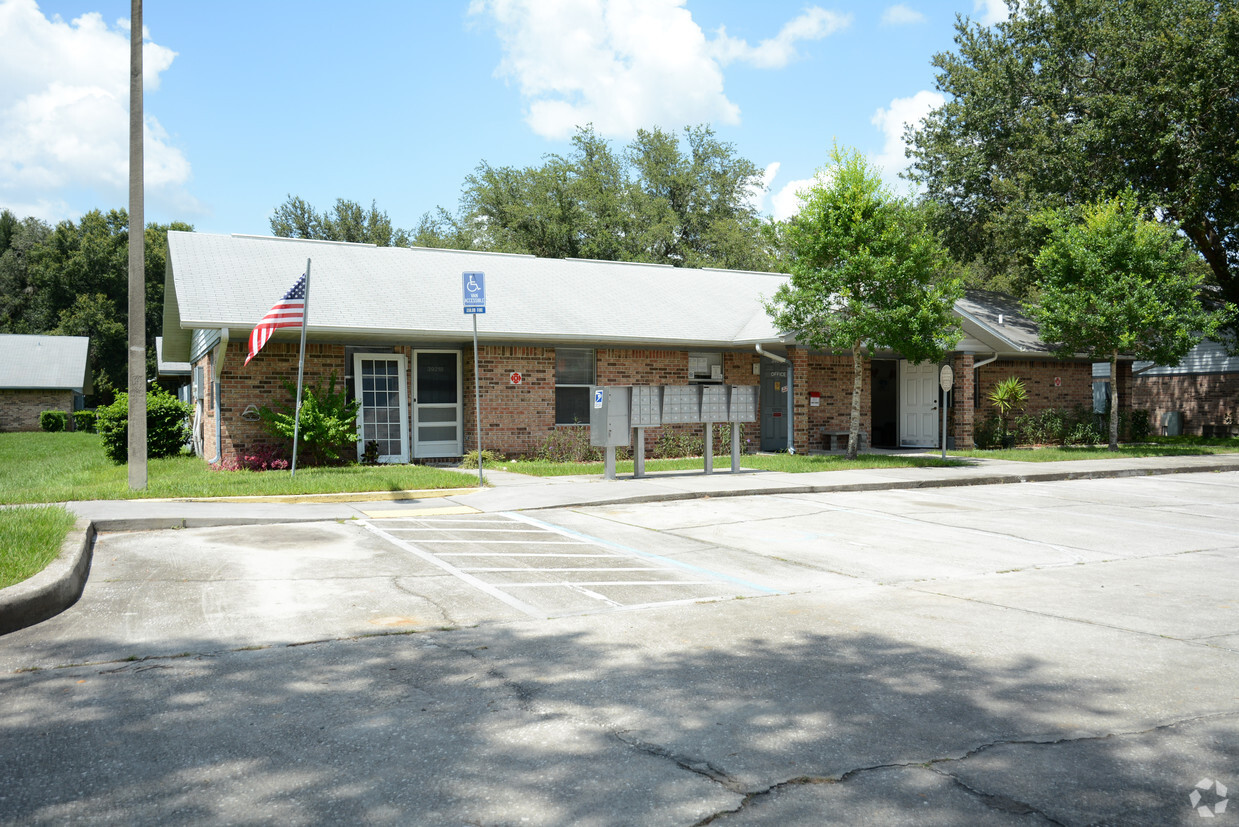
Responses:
[30,538]
[792,464]
[1076,452]
[60,467]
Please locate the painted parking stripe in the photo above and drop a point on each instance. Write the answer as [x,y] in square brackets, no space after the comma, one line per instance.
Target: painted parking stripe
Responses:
[567,532]
[476,582]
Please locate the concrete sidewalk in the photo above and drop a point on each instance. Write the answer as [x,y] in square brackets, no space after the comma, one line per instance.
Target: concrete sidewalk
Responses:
[61,584]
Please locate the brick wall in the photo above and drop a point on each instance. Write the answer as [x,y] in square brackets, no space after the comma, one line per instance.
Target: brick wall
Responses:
[1074,384]
[261,384]
[963,411]
[1205,399]
[832,377]
[20,409]
[516,419]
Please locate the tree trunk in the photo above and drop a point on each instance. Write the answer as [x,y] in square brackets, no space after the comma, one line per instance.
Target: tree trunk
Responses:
[857,384]
[1114,401]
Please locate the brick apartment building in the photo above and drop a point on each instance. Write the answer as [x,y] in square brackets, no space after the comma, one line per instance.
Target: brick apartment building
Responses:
[41,373]
[389,324]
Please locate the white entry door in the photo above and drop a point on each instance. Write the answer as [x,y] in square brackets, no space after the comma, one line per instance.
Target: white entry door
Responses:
[918,404]
[437,411]
[382,414]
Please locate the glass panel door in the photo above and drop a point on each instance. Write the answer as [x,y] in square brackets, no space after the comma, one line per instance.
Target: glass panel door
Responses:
[436,403]
[382,414]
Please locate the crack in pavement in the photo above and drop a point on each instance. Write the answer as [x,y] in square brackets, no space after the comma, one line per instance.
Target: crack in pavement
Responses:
[996,801]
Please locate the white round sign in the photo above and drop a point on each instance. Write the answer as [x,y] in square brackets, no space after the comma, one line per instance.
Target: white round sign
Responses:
[946,377]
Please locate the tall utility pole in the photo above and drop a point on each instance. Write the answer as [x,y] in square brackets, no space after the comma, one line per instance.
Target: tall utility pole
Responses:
[137,261]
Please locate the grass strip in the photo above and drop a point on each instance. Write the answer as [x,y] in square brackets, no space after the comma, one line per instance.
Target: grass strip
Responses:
[1081,452]
[62,467]
[788,463]
[30,538]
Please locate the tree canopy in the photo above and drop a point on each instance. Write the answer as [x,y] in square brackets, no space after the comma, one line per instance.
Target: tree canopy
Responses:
[681,201]
[346,221]
[1072,100]
[73,280]
[866,274]
[1116,284]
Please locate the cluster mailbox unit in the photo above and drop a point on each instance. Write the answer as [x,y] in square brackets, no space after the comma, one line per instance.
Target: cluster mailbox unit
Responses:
[618,410]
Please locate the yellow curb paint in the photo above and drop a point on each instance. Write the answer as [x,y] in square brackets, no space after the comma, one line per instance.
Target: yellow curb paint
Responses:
[420,512]
[359,496]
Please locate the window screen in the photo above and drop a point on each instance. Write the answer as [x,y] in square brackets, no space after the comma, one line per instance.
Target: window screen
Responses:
[574,373]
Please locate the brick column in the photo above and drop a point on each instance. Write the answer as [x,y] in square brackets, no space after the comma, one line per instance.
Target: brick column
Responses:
[964,409]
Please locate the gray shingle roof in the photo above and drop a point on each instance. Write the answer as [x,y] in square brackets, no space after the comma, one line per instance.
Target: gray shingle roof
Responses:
[999,319]
[44,362]
[358,291]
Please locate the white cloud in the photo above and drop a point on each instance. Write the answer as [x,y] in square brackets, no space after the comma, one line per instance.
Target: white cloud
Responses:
[892,122]
[990,12]
[775,53]
[64,112]
[786,202]
[901,15]
[626,64]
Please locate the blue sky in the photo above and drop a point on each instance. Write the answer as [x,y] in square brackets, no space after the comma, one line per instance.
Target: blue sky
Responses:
[397,102]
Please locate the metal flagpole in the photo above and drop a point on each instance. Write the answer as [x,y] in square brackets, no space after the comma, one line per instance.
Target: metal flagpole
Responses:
[305,321]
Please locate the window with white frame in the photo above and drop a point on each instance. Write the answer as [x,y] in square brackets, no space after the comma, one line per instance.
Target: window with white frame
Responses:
[574,373]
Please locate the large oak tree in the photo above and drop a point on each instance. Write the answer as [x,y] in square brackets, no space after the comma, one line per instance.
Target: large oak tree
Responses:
[1072,100]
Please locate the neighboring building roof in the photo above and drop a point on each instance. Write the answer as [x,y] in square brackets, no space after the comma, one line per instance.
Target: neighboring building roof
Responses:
[44,363]
[998,320]
[168,368]
[1207,357]
[359,291]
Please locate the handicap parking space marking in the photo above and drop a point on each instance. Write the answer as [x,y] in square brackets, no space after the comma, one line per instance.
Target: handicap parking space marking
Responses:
[492,552]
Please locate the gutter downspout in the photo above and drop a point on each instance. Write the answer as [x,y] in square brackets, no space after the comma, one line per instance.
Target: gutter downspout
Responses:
[220,350]
[791,441]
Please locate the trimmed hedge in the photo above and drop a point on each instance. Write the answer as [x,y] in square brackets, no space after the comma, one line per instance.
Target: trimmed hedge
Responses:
[167,425]
[53,420]
[84,421]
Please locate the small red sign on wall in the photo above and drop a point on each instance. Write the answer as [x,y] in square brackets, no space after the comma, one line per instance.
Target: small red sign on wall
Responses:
[1058,381]
[516,378]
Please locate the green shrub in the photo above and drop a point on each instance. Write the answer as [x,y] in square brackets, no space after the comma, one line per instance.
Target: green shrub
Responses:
[167,425]
[470,459]
[987,433]
[328,423]
[1136,424]
[1007,396]
[568,444]
[53,420]
[84,421]
[674,443]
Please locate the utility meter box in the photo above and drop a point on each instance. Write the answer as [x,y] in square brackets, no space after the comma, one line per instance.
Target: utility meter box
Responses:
[609,421]
[743,404]
[714,403]
[681,404]
[647,406]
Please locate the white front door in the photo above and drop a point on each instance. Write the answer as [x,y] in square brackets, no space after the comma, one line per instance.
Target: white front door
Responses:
[918,405]
[382,414]
[437,411]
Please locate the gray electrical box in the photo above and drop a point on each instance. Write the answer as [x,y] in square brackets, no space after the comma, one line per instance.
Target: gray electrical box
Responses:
[743,404]
[647,406]
[610,425]
[681,404]
[714,403]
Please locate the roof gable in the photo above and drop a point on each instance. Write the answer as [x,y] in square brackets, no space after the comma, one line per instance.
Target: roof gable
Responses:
[44,362]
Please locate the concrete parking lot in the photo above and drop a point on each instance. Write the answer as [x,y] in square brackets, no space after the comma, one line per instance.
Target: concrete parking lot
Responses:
[1048,653]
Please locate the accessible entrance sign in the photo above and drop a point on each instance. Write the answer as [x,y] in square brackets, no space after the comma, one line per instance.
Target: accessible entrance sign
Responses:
[474,286]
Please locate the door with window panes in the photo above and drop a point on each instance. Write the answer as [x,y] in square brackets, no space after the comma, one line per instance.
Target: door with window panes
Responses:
[378,382]
[436,404]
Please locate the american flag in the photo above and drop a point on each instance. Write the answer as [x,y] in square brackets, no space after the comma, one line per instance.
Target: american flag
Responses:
[287,312]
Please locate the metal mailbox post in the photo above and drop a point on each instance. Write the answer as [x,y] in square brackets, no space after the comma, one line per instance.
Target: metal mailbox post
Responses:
[616,411]
[610,422]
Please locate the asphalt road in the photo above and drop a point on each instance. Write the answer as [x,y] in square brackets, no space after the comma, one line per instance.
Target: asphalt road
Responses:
[1049,653]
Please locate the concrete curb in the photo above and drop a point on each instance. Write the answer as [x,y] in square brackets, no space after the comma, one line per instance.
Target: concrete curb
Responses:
[54,589]
[904,485]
